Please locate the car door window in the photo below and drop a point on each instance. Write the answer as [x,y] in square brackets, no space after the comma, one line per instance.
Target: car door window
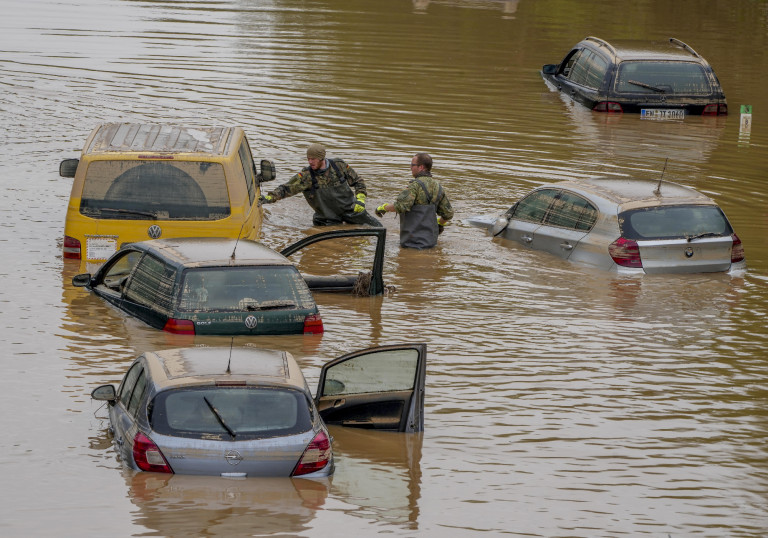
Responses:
[152,285]
[129,382]
[589,70]
[570,61]
[137,394]
[117,273]
[571,211]
[246,161]
[534,207]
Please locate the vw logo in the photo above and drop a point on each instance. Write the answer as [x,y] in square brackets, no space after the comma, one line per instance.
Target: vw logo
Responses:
[154,231]
[689,252]
[233,457]
[250,322]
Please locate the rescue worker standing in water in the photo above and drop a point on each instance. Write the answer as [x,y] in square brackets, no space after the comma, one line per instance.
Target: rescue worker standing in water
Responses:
[423,207]
[327,186]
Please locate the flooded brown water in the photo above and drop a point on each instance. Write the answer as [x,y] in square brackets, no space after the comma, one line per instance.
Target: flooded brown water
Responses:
[560,402]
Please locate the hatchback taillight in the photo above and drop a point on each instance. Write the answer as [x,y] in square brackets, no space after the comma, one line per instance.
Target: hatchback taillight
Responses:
[71,248]
[607,106]
[625,252]
[316,455]
[179,326]
[147,456]
[737,249]
[313,324]
[715,110]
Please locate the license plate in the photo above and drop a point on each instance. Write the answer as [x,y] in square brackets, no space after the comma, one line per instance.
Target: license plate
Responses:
[662,113]
[100,248]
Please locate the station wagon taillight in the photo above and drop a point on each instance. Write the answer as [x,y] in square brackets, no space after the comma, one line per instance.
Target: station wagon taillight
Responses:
[315,457]
[715,110]
[313,324]
[737,249]
[147,456]
[71,248]
[607,106]
[625,252]
[179,326]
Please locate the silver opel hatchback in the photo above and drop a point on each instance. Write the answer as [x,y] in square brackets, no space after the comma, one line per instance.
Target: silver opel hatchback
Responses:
[628,226]
[247,412]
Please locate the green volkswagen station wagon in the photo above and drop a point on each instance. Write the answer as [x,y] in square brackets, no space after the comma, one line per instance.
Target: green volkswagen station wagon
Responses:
[221,286]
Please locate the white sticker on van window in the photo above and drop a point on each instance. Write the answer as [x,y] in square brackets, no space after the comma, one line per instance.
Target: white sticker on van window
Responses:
[100,247]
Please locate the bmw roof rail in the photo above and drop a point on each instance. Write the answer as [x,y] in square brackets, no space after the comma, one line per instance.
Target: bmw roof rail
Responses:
[687,47]
[602,43]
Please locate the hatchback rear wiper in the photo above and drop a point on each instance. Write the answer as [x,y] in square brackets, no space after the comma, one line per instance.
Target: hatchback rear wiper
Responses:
[699,236]
[219,418]
[148,214]
[644,85]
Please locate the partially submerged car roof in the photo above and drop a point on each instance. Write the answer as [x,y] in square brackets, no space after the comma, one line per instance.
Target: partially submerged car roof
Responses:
[671,49]
[203,365]
[629,193]
[137,138]
[213,251]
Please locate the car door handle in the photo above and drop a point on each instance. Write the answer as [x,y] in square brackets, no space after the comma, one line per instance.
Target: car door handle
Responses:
[566,246]
[526,238]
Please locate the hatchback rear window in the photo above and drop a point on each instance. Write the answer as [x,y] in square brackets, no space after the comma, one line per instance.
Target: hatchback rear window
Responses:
[219,412]
[674,222]
[659,77]
[139,190]
[243,289]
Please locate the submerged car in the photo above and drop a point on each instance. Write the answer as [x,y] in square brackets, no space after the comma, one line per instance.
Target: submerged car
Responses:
[220,286]
[628,226]
[667,80]
[248,412]
[135,182]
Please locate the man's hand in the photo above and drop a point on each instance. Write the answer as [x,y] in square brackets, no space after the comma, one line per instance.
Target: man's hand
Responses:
[381,210]
[267,199]
[360,203]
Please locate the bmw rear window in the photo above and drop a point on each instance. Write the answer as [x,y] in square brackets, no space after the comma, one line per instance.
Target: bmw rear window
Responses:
[659,77]
[239,413]
[141,190]
[244,289]
[674,222]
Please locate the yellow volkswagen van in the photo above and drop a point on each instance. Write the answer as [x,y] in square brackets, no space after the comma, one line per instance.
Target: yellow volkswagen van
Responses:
[135,182]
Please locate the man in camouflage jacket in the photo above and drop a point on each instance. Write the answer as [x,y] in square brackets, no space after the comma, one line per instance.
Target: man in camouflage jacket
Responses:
[327,186]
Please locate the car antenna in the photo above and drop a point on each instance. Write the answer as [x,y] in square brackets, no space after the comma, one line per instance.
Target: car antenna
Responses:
[231,341]
[657,192]
[237,240]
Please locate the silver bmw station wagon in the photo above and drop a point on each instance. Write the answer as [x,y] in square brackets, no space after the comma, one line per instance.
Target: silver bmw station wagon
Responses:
[246,412]
[628,226]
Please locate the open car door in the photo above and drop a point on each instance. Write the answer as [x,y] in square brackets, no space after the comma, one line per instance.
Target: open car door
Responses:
[380,388]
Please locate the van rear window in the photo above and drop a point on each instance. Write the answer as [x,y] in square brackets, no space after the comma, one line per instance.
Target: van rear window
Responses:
[248,412]
[140,190]
[674,222]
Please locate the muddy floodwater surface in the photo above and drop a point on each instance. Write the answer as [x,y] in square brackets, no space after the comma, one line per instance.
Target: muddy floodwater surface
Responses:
[561,401]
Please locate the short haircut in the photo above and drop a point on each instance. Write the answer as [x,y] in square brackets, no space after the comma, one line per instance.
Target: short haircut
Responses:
[424,159]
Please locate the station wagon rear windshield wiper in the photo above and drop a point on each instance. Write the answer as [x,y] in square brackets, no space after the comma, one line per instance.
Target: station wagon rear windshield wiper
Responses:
[699,236]
[270,306]
[644,85]
[148,214]
[219,418]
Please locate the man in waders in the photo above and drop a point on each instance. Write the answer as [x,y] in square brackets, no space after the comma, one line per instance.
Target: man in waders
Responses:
[423,207]
[327,186]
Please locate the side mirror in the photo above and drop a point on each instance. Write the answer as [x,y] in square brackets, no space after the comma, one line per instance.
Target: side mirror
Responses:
[81,280]
[268,172]
[105,393]
[549,69]
[68,167]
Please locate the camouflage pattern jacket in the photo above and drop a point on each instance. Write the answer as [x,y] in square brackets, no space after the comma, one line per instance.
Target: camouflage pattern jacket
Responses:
[337,172]
[415,195]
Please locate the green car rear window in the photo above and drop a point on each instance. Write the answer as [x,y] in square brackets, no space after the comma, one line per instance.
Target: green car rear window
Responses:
[140,190]
[659,77]
[244,289]
[217,412]
[674,222]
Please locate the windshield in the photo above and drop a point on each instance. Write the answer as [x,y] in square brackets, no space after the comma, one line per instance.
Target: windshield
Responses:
[178,190]
[662,78]
[674,222]
[240,413]
[244,289]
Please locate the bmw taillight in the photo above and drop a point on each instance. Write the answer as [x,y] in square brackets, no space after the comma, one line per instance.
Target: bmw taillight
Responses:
[715,110]
[147,456]
[607,106]
[71,248]
[737,249]
[316,455]
[625,252]
[179,326]
[313,324]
